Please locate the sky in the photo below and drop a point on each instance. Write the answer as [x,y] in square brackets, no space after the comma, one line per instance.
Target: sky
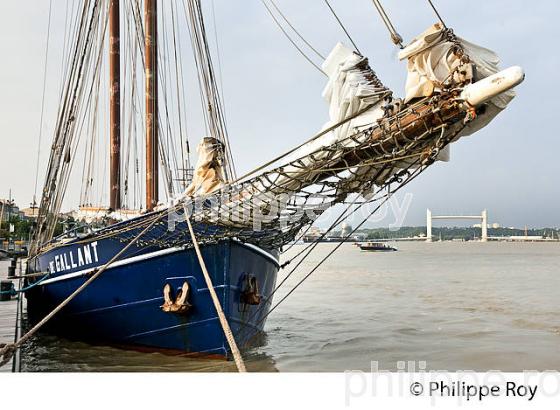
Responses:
[273,96]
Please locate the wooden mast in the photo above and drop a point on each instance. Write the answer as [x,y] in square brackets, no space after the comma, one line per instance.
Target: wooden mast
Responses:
[115,104]
[150,22]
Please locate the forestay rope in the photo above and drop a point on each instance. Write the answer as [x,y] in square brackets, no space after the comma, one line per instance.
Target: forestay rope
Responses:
[321,56]
[298,48]
[343,27]
[395,36]
[42,107]
[437,14]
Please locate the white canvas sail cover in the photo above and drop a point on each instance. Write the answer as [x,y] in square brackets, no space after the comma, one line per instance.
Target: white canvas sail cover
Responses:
[349,90]
[209,174]
[431,62]
[352,91]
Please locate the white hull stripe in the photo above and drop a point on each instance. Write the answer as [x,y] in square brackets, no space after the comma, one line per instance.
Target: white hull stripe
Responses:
[147,256]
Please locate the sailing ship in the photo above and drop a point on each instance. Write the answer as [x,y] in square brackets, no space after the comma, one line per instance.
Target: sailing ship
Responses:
[166,276]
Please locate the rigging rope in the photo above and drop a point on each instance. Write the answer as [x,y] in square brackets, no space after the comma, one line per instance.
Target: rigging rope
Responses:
[441,142]
[42,107]
[437,13]
[344,239]
[178,83]
[342,26]
[211,97]
[307,250]
[291,39]
[70,112]
[295,30]
[187,171]
[316,136]
[218,55]
[395,36]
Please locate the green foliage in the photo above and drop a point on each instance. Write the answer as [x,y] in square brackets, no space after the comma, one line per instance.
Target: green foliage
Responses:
[22,228]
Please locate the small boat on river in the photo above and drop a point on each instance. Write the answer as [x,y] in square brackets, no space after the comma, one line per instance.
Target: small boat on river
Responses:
[376,247]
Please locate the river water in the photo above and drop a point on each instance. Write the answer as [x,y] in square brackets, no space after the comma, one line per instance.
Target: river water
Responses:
[454,306]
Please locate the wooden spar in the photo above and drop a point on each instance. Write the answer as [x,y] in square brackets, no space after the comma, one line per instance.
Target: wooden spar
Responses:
[115,104]
[404,128]
[150,22]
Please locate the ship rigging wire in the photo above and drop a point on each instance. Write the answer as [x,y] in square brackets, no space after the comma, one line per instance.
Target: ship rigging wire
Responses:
[395,36]
[342,26]
[419,165]
[219,59]
[437,14]
[297,47]
[209,89]
[42,106]
[417,172]
[411,177]
[295,30]
[70,111]
[307,250]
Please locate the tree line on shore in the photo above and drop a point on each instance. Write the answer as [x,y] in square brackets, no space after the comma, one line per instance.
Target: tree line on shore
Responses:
[456,232]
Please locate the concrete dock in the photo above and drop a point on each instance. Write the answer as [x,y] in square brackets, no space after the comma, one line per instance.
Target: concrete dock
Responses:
[8,314]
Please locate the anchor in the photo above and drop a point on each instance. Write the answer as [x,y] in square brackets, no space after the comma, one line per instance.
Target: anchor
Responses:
[250,295]
[180,304]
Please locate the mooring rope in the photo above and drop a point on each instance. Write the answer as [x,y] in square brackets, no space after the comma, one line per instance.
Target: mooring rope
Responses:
[13,291]
[223,320]
[7,350]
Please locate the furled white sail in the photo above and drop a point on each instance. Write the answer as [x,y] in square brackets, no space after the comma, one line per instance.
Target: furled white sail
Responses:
[349,91]
[209,172]
[352,91]
[432,63]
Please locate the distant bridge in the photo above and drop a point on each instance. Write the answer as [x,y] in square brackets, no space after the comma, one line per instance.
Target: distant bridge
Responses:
[483,218]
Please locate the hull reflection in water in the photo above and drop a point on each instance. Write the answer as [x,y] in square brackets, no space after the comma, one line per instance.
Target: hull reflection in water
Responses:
[51,353]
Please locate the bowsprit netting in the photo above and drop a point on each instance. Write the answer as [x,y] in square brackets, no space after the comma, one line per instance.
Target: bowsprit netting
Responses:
[271,208]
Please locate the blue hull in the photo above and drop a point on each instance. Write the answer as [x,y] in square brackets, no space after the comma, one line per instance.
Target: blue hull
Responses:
[123,305]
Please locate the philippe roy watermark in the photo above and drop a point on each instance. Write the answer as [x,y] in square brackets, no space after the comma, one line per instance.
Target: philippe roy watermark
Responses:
[260,211]
[411,379]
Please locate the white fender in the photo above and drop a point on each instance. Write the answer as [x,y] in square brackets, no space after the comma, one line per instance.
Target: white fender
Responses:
[489,87]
